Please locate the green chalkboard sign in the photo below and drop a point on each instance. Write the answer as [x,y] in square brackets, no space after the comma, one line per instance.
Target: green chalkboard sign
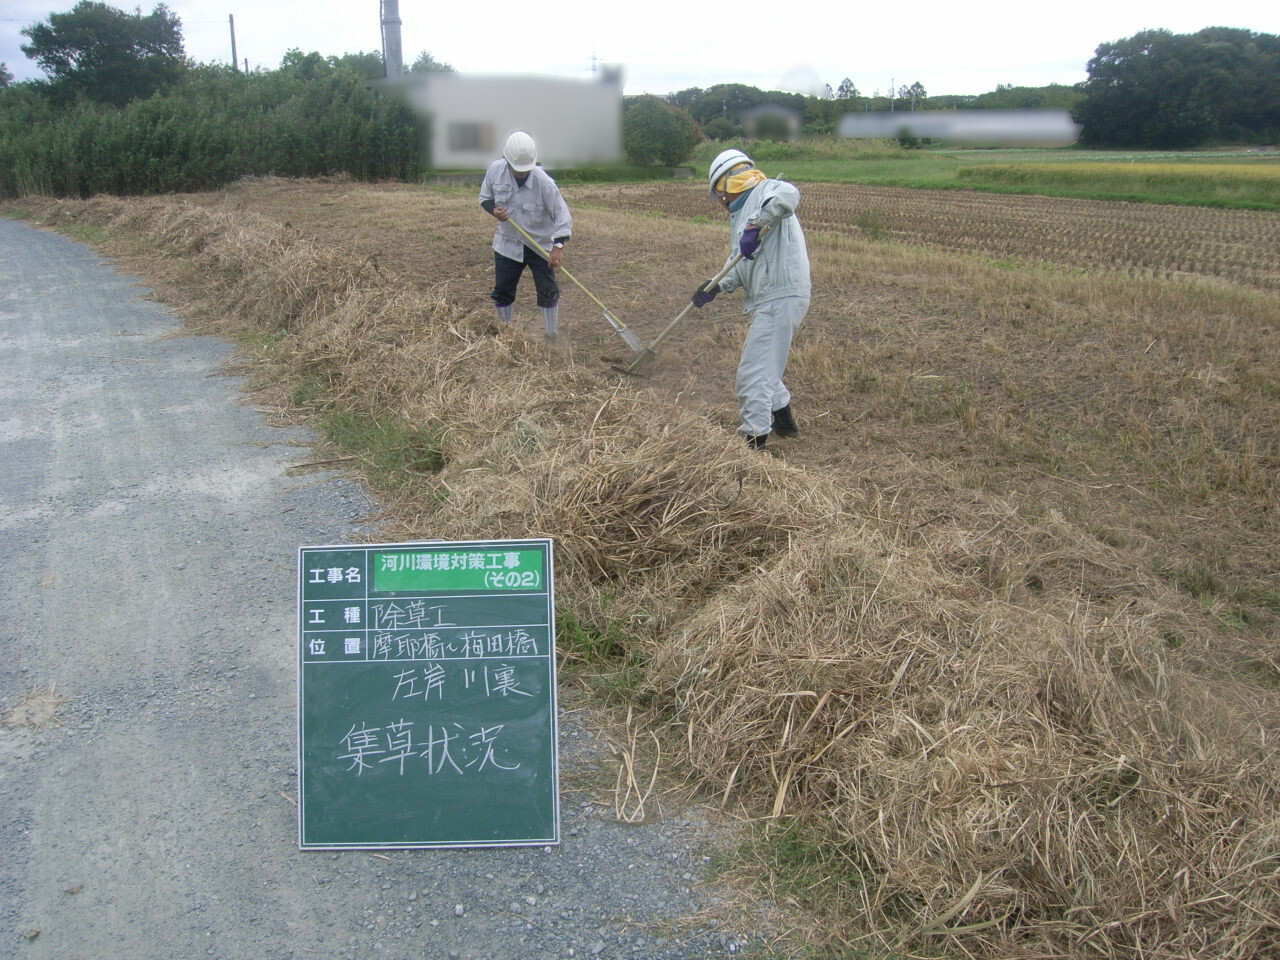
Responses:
[427,695]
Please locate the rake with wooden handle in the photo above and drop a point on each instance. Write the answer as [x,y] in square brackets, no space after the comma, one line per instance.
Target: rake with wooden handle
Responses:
[652,351]
[628,335]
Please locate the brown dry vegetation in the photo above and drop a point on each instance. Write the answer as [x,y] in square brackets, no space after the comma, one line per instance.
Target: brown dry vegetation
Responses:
[992,646]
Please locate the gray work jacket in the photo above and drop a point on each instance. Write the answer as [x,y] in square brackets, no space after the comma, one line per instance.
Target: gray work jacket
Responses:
[536,205]
[780,267]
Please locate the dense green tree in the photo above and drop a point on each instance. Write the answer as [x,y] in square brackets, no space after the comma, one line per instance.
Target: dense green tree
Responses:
[725,100]
[721,128]
[6,77]
[951,101]
[683,98]
[1160,89]
[1055,96]
[105,54]
[313,66]
[656,132]
[822,113]
[846,90]
[368,65]
[426,63]
[716,109]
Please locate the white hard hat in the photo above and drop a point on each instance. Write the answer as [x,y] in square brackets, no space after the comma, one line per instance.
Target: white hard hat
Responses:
[520,152]
[722,164]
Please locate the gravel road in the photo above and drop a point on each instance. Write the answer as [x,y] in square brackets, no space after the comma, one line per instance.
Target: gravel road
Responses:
[148,538]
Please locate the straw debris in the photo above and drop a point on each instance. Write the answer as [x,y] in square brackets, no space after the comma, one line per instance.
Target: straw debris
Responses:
[999,734]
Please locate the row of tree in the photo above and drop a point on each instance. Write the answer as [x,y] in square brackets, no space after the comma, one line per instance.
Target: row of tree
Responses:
[1005,97]
[123,110]
[1156,89]
[912,94]
[717,110]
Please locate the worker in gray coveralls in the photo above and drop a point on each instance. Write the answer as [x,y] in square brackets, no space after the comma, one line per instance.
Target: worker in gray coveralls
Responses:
[516,189]
[774,277]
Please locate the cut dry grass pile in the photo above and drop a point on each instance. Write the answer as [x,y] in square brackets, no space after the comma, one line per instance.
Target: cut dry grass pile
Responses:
[1053,781]
[1012,739]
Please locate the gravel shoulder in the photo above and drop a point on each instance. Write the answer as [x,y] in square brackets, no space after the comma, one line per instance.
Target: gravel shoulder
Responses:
[148,682]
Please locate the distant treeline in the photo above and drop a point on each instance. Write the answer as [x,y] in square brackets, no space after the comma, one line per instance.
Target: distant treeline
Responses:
[1155,89]
[717,110]
[112,120]
[311,117]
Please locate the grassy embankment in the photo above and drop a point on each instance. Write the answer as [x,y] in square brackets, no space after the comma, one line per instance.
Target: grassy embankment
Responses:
[990,658]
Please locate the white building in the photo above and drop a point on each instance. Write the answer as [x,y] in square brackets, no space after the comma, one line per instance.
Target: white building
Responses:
[985,127]
[575,123]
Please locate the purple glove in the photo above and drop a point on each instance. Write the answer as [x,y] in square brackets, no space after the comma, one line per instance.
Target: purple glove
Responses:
[702,296]
[750,242]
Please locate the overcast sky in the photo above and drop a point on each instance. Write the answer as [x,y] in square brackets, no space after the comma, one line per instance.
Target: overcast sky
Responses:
[665,46]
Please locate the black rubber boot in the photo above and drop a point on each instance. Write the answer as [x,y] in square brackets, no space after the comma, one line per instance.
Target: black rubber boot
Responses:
[757,443]
[784,424]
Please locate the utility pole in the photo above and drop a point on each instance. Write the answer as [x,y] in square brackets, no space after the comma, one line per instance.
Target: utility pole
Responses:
[391,55]
[231,19]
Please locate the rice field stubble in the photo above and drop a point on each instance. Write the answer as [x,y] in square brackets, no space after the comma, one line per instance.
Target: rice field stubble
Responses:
[994,643]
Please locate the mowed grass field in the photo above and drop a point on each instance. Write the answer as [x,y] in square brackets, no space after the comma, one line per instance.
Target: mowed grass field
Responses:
[1108,239]
[988,658]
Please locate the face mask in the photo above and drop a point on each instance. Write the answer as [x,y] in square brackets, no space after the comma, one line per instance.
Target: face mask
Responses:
[740,181]
[744,181]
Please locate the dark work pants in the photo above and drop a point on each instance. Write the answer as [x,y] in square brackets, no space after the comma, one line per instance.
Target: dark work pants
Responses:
[506,273]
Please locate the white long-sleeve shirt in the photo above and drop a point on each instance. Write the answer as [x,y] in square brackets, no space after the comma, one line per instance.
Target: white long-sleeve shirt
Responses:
[535,204]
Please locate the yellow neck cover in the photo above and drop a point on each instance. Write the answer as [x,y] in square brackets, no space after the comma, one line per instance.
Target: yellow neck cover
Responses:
[741,182]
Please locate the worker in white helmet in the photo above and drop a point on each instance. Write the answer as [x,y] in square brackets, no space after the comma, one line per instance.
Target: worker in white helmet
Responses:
[516,189]
[774,276]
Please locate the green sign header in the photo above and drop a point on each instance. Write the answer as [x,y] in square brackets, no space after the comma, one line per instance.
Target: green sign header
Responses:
[469,569]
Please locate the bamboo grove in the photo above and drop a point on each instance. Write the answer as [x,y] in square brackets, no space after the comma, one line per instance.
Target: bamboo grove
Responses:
[305,119]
